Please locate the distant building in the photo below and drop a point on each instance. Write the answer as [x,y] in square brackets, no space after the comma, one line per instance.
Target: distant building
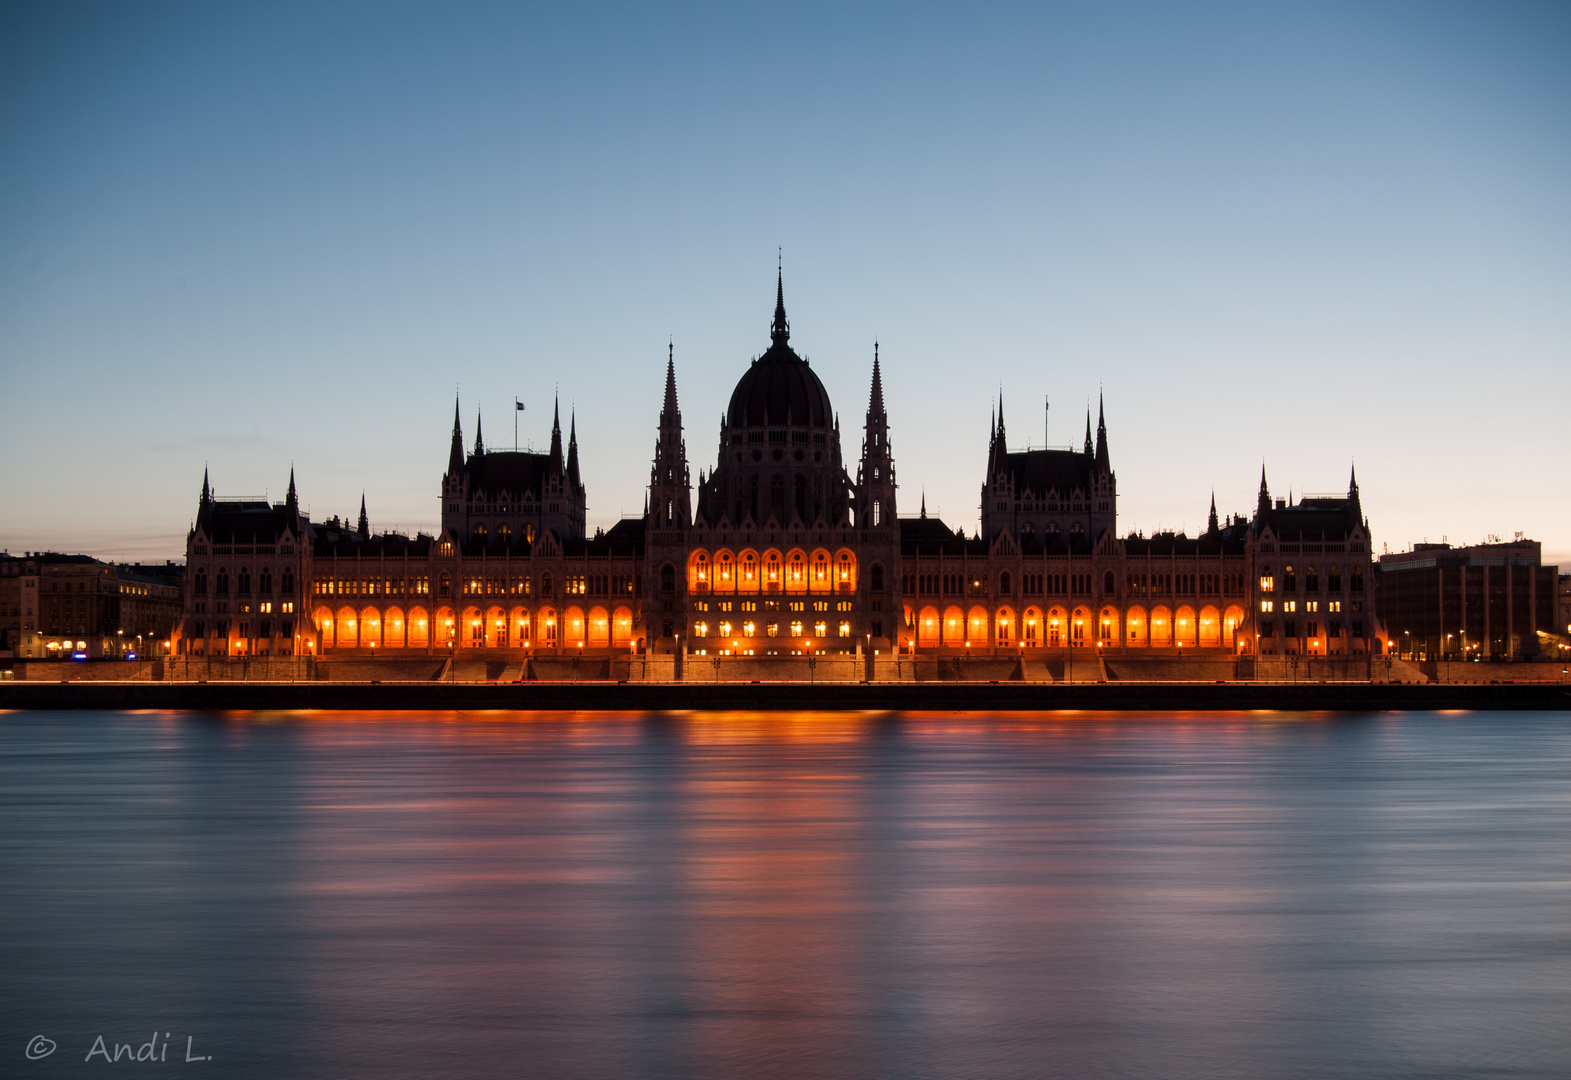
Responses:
[19,635]
[54,605]
[1314,589]
[790,545]
[1488,601]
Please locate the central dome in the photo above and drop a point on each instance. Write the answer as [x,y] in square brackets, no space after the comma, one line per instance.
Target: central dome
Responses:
[780,389]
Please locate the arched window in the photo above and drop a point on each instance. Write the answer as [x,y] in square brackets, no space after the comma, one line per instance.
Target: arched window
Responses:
[668,578]
[288,586]
[801,496]
[201,583]
[1289,579]
[480,533]
[546,585]
[1267,582]
[1336,578]
[777,497]
[243,582]
[264,581]
[878,576]
[1005,582]
[878,512]
[1109,584]
[444,585]
[1312,579]
[221,586]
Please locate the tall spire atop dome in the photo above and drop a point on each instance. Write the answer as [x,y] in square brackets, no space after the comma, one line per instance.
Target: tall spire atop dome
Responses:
[207,492]
[479,439]
[780,332]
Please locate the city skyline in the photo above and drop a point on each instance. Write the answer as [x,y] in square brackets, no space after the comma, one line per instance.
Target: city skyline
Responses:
[1310,239]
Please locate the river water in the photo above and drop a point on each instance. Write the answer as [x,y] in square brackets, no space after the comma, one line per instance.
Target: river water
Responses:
[846,895]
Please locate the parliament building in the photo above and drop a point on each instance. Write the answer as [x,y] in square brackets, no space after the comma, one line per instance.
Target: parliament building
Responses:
[785,547]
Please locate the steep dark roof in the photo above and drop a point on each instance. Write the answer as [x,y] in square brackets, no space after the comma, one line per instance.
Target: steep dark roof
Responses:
[513,471]
[779,388]
[1042,471]
[246,522]
[1313,519]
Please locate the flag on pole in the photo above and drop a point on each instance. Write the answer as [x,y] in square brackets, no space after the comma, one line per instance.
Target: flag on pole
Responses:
[519,404]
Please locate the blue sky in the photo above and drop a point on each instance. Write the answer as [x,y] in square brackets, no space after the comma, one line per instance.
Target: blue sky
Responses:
[250,236]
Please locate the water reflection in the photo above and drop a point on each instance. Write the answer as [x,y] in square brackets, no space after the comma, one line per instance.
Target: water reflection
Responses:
[840,895]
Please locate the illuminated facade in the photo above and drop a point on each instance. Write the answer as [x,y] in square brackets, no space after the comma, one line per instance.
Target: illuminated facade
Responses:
[779,550]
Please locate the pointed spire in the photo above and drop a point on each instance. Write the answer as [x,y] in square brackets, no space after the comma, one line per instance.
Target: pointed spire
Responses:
[875,397]
[1212,525]
[669,410]
[1003,442]
[924,502]
[207,492]
[479,439]
[556,434]
[1354,505]
[1088,449]
[572,451]
[291,500]
[455,454]
[1263,503]
[1103,458]
[780,331]
[363,529]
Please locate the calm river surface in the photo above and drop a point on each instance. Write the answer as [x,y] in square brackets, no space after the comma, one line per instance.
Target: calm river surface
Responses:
[847,895]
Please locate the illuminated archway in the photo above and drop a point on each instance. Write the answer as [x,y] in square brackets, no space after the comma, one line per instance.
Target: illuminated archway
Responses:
[976,626]
[1210,628]
[1004,627]
[1232,619]
[1031,628]
[518,620]
[845,571]
[1161,627]
[773,571]
[546,627]
[573,627]
[1081,630]
[322,618]
[1107,627]
[1057,628]
[927,627]
[796,571]
[1136,629]
[954,627]
[1184,627]
[348,629]
[394,630]
[419,628]
[598,630]
[369,628]
[471,629]
[725,571]
[496,627]
[747,572]
[446,626]
[818,573]
[622,627]
[699,572]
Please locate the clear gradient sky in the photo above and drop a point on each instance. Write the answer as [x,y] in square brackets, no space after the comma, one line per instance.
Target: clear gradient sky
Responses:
[245,236]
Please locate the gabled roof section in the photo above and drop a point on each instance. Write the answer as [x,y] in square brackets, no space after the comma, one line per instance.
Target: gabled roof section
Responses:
[514,472]
[1043,471]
